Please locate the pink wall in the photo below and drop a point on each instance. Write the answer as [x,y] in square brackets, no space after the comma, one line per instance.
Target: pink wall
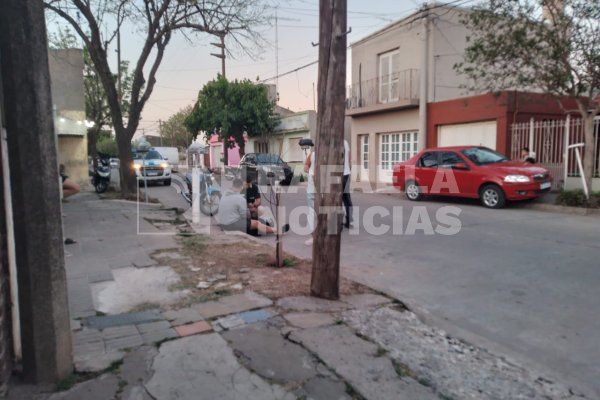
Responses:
[233,153]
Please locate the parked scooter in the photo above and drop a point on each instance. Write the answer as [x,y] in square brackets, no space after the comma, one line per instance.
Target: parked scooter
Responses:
[101,177]
[210,193]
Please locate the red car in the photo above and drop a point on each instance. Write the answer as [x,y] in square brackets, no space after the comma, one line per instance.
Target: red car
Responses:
[474,172]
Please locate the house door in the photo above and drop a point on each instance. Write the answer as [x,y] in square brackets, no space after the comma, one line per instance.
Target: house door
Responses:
[364,158]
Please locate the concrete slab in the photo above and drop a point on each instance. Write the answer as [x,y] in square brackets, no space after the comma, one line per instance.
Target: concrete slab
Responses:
[320,388]
[271,356]
[96,362]
[250,317]
[136,370]
[133,286]
[366,300]
[230,322]
[313,304]
[356,361]
[153,326]
[182,316]
[102,388]
[309,320]
[232,304]
[107,321]
[454,368]
[204,367]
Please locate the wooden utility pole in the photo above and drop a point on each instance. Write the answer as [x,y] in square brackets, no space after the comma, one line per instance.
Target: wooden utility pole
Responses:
[329,148]
[222,55]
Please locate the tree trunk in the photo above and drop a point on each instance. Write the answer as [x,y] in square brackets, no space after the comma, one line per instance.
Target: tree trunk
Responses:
[92,142]
[330,145]
[127,173]
[588,153]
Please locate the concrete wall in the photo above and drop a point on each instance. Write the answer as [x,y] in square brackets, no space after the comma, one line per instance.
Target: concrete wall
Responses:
[72,153]
[374,125]
[575,183]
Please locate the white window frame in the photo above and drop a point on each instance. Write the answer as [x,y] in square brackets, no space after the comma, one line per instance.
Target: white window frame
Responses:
[388,81]
[397,146]
[365,151]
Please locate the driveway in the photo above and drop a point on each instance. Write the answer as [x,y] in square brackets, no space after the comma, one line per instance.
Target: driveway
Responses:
[521,282]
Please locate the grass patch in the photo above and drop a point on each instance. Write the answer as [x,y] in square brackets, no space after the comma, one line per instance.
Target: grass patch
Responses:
[289,262]
[194,245]
[115,367]
[576,198]
[68,382]
[380,352]
[403,370]
[146,306]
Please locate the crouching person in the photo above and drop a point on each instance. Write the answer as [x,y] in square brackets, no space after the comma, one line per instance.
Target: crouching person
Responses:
[234,214]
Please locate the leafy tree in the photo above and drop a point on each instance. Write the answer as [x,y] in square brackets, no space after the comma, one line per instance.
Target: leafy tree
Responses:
[97,23]
[97,110]
[108,146]
[230,109]
[173,131]
[552,45]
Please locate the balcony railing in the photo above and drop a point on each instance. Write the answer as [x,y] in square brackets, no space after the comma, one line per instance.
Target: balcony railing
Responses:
[400,86]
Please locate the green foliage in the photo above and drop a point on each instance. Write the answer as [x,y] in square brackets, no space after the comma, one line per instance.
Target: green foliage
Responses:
[576,198]
[174,132]
[108,146]
[230,109]
[514,44]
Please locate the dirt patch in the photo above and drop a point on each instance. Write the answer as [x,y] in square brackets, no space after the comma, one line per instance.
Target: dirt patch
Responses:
[228,267]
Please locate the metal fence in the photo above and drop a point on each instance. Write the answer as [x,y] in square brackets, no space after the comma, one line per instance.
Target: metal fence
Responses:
[549,140]
[401,85]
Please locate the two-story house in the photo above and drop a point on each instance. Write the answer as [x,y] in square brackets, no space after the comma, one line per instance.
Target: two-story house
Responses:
[396,71]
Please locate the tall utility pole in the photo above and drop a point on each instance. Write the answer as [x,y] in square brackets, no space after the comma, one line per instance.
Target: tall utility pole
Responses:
[329,149]
[222,55]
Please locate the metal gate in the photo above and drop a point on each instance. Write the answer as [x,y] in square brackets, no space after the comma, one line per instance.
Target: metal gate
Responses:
[548,140]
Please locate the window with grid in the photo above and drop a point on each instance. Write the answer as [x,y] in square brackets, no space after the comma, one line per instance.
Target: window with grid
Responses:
[409,145]
[389,65]
[365,151]
[390,150]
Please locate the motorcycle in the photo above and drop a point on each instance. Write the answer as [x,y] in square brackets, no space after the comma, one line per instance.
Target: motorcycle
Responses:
[101,177]
[210,193]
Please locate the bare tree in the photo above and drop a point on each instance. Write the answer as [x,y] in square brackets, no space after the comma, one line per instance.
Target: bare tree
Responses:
[330,144]
[157,21]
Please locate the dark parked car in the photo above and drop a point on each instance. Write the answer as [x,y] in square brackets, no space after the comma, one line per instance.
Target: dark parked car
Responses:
[475,172]
[264,166]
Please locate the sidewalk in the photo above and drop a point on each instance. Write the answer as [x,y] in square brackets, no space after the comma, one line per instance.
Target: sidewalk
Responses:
[145,327]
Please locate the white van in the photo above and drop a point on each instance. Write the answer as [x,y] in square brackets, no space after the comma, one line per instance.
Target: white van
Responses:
[171,154]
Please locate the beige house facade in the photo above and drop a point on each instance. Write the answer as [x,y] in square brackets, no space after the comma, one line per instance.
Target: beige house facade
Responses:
[395,72]
[68,101]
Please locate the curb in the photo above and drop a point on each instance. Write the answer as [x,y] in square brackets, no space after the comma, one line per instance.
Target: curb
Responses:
[561,209]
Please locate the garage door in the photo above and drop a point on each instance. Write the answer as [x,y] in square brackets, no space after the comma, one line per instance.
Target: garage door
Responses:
[473,134]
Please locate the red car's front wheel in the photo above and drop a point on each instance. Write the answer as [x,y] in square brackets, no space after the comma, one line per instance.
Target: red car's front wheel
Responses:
[492,196]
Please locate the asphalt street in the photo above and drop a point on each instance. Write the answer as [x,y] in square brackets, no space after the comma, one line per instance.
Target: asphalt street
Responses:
[522,282]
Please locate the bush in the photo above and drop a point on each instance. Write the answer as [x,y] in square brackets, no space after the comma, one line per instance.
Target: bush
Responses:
[576,198]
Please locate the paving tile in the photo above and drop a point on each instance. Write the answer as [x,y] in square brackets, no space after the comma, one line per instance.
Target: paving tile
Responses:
[119,331]
[231,321]
[309,320]
[159,335]
[126,342]
[233,304]
[75,324]
[193,329]
[153,326]
[122,319]
[182,316]
[251,317]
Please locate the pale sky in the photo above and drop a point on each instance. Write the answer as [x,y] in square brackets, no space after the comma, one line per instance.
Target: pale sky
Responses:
[186,66]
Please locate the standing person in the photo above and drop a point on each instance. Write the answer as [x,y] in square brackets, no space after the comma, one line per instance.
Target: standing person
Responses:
[346,199]
[309,168]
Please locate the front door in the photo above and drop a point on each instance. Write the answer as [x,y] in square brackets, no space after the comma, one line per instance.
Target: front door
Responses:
[364,158]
